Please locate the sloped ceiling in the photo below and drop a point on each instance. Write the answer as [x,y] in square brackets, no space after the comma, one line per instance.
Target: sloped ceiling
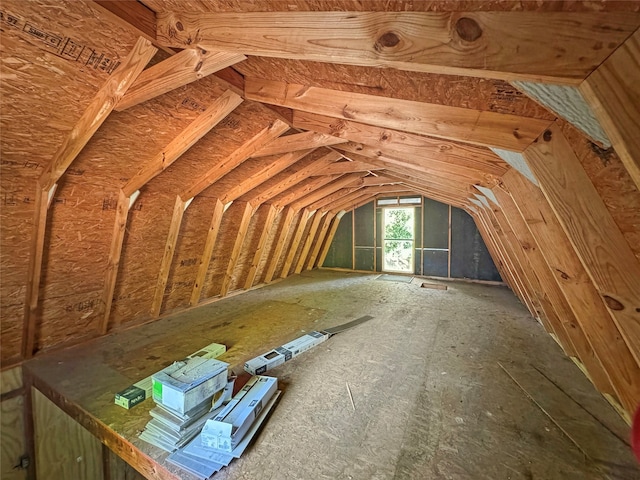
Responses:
[228,161]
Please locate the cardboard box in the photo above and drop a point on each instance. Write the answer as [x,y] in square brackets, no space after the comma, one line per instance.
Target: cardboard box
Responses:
[269,360]
[226,430]
[140,391]
[186,384]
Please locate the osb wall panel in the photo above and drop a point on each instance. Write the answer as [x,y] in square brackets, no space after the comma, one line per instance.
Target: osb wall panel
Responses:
[55,57]
[249,247]
[467,92]
[269,247]
[148,232]
[388,5]
[12,439]
[187,254]
[613,183]
[224,245]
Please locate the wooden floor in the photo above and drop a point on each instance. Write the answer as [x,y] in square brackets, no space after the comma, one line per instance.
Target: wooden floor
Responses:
[446,384]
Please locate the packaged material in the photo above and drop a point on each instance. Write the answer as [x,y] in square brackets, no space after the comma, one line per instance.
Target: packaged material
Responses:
[140,391]
[269,360]
[227,429]
[184,385]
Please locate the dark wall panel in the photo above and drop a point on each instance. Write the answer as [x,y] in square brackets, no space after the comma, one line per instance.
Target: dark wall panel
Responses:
[436,224]
[340,254]
[364,258]
[435,263]
[469,255]
[363,225]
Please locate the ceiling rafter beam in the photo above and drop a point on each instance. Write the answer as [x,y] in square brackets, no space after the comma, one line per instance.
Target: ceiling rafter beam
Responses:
[534,46]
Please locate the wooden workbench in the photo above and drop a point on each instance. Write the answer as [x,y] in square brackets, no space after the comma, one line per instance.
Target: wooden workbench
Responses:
[82,381]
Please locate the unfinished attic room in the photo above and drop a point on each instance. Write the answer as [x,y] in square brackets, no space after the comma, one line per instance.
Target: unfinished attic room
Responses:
[320,239]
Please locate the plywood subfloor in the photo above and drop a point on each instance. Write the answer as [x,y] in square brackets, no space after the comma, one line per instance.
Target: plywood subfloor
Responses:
[431,399]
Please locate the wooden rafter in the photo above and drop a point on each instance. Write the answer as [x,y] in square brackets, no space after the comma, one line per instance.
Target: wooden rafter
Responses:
[260,250]
[289,180]
[273,130]
[613,90]
[329,238]
[295,242]
[94,115]
[333,197]
[218,110]
[596,238]
[205,259]
[352,179]
[267,171]
[298,141]
[301,189]
[349,167]
[403,145]
[441,121]
[590,311]
[317,217]
[176,71]
[287,218]
[535,46]
[320,237]
[243,226]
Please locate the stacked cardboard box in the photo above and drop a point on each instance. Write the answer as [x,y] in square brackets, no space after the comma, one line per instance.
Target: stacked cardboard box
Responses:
[226,435]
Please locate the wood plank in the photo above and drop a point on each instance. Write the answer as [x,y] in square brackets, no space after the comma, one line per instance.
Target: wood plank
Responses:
[320,237]
[329,238]
[317,216]
[285,225]
[115,252]
[97,112]
[477,127]
[349,167]
[613,92]
[596,320]
[402,145]
[64,448]
[176,71]
[295,178]
[552,46]
[268,170]
[298,141]
[260,250]
[216,112]
[170,245]
[295,242]
[10,380]
[273,130]
[351,179]
[212,235]
[300,190]
[601,247]
[247,213]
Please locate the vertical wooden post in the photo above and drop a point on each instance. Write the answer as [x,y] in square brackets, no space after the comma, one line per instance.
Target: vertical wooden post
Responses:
[117,239]
[310,236]
[329,238]
[237,246]
[212,235]
[326,222]
[170,246]
[284,230]
[257,257]
[295,242]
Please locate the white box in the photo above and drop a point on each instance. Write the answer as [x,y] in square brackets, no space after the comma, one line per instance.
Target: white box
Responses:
[226,430]
[269,360]
[186,384]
